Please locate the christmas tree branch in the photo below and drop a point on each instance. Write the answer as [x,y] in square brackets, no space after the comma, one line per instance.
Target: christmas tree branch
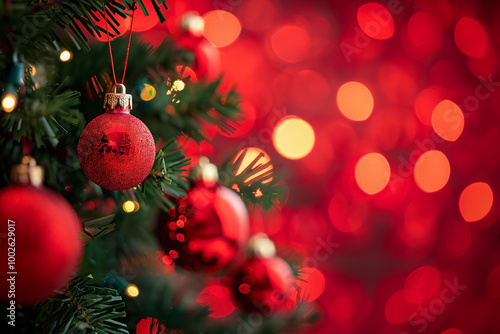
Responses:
[257,183]
[82,308]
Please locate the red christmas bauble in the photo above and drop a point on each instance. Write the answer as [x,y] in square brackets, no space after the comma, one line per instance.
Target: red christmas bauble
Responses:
[116,151]
[207,230]
[207,64]
[39,243]
[263,285]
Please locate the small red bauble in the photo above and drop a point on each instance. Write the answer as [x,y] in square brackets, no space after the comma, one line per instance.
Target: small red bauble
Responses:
[207,64]
[207,230]
[39,243]
[116,150]
[263,285]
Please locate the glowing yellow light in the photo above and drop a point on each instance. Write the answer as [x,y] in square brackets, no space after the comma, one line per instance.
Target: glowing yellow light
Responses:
[132,290]
[293,138]
[33,69]
[178,85]
[148,93]
[355,101]
[129,206]
[9,102]
[251,154]
[372,173]
[65,55]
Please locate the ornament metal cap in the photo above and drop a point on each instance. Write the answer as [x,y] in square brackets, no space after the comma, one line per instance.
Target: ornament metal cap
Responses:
[28,172]
[205,171]
[118,103]
[261,246]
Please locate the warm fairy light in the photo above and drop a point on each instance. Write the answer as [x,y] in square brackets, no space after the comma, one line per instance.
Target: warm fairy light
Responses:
[475,201]
[470,37]
[250,154]
[293,138]
[355,101]
[432,171]
[375,21]
[129,206]
[33,70]
[132,290]
[65,55]
[221,27]
[9,102]
[148,93]
[372,173]
[291,43]
[178,85]
[448,120]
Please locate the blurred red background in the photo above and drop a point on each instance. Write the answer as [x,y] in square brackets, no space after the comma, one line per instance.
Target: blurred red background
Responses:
[383,119]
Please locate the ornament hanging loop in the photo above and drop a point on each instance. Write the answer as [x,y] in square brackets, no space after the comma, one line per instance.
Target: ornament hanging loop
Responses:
[118,103]
[120,86]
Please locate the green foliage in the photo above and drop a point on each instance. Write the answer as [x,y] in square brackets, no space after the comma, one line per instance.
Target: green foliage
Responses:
[257,183]
[38,27]
[82,308]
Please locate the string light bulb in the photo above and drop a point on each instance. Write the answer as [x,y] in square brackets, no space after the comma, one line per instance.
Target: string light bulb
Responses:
[132,290]
[65,56]
[9,102]
[178,85]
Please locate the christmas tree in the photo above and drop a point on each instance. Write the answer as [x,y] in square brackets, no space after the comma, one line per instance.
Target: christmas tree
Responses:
[151,208]
[231,166]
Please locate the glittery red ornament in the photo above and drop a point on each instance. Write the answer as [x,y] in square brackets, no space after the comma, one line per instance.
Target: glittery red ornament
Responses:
[263,285]
[207,230]
[116,150]
[39,243]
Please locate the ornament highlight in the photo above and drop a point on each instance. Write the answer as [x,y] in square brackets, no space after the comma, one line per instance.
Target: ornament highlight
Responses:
[116,150]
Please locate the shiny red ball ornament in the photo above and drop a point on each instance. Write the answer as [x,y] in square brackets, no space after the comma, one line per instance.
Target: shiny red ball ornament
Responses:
[116,150]
[263,285]
[207,64]
[207,229]
[39,239]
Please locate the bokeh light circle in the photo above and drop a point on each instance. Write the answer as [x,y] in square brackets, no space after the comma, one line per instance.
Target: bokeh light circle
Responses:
[372,173]
[475,201]
[401,305]
[425,32]
[293,138]
[221,27]
[451,331]
[217,299]
[424,280]
[310,284]
[251,154]
[375,21]
[493,283]
[355,101]
[432,171]
[448,120]
[470,37]
[291,43]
